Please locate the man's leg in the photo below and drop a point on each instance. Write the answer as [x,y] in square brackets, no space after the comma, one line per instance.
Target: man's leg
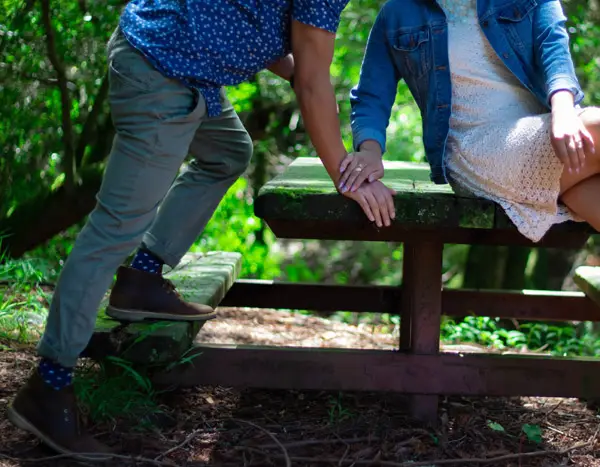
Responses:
[222,150]
[156,120]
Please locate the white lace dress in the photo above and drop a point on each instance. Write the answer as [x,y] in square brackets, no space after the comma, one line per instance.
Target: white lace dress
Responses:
[499,143]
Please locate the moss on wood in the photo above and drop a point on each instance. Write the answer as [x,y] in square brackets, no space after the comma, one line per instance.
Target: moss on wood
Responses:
[199,278]
[305,192]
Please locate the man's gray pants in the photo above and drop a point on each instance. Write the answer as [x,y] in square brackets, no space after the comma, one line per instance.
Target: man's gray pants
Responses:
[158,122]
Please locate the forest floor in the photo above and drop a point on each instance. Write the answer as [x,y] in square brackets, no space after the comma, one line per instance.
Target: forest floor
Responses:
[222,427]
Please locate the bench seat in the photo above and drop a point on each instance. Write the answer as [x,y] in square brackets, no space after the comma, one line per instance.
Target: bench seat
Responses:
[587,279]
[303,199]
[199,278]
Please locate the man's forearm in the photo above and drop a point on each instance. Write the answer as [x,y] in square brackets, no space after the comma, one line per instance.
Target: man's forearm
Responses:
[318,106]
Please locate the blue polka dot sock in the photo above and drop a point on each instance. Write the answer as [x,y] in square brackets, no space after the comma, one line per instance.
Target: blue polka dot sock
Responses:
[147,262]
[54,374]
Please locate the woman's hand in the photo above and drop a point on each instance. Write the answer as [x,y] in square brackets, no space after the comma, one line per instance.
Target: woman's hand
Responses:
[570,139]
[376,200]
[360,166]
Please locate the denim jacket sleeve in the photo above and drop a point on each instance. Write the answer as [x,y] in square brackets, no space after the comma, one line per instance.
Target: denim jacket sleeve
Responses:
[372,99]
[552,48]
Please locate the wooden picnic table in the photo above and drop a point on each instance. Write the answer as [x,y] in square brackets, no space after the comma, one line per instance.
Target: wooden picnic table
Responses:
[302,203]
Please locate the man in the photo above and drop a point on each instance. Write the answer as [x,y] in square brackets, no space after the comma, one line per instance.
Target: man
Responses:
[168,62]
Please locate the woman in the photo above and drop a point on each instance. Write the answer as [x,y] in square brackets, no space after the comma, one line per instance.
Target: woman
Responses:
[168,63]
[499,98]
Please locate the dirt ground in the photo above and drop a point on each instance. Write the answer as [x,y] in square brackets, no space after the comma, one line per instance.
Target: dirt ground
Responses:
[223,427]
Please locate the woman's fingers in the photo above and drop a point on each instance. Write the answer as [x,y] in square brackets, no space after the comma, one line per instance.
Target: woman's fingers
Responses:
[376,175]
[588,140]
[355,173]
[580,153]
[573,143]
[560,149]
[349,170]
[346,162]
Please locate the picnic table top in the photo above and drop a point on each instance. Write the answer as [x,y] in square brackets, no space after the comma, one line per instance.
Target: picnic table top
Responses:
[304,192]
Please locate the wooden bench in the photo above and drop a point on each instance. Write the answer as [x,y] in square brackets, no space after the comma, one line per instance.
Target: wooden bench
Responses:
[587,279]
[200,278]
[302,204]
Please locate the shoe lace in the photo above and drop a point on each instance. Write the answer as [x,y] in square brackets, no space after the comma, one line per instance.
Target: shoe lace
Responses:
[169,286]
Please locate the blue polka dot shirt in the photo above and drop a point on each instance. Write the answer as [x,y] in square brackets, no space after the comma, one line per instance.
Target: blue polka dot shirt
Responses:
[207,44]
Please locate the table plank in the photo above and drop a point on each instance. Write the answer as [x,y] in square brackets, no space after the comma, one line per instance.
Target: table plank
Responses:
[304,193]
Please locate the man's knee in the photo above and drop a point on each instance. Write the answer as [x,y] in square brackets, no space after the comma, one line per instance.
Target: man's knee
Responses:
[240,155]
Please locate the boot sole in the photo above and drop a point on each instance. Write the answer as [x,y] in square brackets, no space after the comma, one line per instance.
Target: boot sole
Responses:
[21,422]
[121,314]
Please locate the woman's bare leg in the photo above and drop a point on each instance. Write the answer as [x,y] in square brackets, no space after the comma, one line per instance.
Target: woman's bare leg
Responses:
[581,191]
[584,200]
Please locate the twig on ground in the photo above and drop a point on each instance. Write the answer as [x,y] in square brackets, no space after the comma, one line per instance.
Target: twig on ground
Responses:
[186,441]
[311,442]
[285,455]
[144,460]
[437,462]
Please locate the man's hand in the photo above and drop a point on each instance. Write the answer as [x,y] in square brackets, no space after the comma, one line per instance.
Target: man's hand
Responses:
[358,167]
[376,200]
[570,138]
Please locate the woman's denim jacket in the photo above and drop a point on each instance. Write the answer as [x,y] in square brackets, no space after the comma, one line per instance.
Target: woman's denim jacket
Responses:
[409,41]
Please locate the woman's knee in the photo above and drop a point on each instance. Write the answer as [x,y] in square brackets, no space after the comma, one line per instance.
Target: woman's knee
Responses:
[590,116]
[591,119]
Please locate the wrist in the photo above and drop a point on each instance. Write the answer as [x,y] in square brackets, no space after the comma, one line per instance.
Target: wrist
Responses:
[562,99]
[371,146]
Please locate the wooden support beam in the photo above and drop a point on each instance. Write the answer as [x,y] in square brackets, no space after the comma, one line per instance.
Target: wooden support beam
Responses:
[380,370]
[422,311]
[526,304]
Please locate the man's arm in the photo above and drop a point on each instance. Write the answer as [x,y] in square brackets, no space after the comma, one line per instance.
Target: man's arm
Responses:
[313,50]
[284,68]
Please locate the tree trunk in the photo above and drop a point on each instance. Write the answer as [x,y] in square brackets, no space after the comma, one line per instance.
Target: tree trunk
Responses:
[485,267]
[38,220]
[514,271]
[553,265]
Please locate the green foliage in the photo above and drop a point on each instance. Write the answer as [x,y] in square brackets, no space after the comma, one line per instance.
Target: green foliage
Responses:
[23,302]
[533,433]
[115,390]
[234,227]
[559,339]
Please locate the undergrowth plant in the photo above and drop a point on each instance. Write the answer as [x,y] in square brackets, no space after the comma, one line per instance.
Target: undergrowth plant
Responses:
[23,300]
[113,389]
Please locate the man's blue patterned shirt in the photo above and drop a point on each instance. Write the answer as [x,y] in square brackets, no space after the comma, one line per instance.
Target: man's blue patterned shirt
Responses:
[208,44]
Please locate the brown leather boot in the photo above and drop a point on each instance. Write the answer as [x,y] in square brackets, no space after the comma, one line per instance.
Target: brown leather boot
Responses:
[52,416]
[139,295]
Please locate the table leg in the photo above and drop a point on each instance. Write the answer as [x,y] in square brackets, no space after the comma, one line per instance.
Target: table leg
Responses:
[421,311]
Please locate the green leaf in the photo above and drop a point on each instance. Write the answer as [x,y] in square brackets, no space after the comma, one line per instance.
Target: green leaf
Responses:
[533,432]
[495,426]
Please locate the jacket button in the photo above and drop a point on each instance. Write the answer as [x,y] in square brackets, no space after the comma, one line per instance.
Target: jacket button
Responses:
[485,24]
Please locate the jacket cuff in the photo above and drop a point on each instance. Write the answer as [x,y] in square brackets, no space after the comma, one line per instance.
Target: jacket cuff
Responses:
[565,83]
[362,135]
